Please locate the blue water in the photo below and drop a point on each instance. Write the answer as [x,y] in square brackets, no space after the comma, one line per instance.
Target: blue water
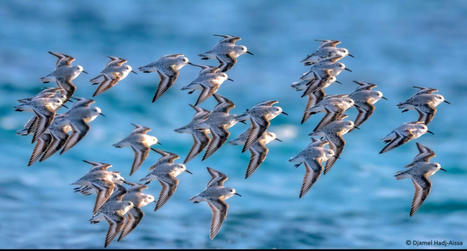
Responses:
[359,204]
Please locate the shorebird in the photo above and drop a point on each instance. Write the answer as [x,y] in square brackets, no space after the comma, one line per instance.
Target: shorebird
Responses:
[113,211]
[135,214]
[114,71]
[326,51]
[44,110]
[64,73]
[226,52]
[260,117]
[167,67]
[140,142]
[323,68]
[79,116]
[218,122]
[312,157]
[365,98]
[200,135]
[215,195]
[419,174]
[424,102]
[166,172]
[258,150]
[403,134]
[99,180]
[333,105]
[208,82]
[334,132]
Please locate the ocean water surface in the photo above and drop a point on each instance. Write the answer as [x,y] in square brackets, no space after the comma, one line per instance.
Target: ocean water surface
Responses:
[358,204]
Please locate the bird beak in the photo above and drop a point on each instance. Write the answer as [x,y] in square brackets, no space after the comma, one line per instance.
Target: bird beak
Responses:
[65,106]
[285,113]
[339,82]
[84,72]
[238,194]
[430,132]
[230,79]
[158,143]
[383,97]
[249,52]
[102,114]
[357,127]
[278,139]
[347,69]
[442,169]
[188,171]
[134,72]
[447,102]
[351,55]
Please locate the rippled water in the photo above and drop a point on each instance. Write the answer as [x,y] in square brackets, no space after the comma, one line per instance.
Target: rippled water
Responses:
[358,204]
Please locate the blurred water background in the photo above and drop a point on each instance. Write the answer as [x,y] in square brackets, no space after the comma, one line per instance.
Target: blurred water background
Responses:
[358,204]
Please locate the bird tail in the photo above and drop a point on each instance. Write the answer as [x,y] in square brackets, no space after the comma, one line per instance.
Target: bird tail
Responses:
[95,80]
[196,199]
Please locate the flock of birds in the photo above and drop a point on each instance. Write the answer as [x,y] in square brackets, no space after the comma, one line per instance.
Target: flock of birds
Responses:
[121,206]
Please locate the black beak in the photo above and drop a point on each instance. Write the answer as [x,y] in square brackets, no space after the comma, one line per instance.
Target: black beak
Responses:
[278,139]
[249,52]
[442,169]
[238,194]
[357,127]
[383,97]
[102,114]
[347,69]
[230,79]
[84,72]
[350,55]
[339,82]
[188,171]
[285,113]
[447,102]
[158,143]
[430,132]
[65,106]
[134,72]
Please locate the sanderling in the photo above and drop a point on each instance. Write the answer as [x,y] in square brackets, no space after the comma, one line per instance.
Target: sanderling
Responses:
[166,173]
[114,71]
[51,140]
[208,82]
[326,51]
[64,73]
[258,150]
[140,142]
[260,117]
[215,195]
[218,122]
[424,102]
[324,68]
[135,214]
[312,157]
[99,180]
[424,155]
[334,132]
[167,67]
[403,134]
[226,52]
[333,105]
[365,98]
[200,135]
[419,174]
[44,110]
[113,211]
[79,116]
